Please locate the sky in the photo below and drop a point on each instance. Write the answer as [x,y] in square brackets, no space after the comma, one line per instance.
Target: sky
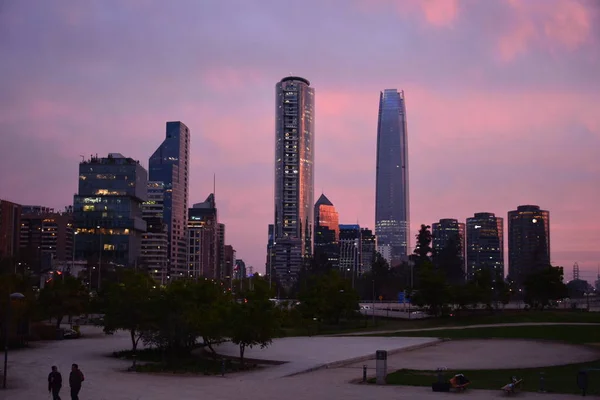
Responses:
[503,103]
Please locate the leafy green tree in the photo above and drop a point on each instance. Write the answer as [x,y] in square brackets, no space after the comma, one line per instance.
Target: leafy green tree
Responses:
[130,305]
[328,298]
[63,296]
[433,290]
[544,286]
[423,248]
[254,319]
[450,260]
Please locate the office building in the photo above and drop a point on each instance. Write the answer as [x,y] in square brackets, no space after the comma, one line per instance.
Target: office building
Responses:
[46,239]
[203,240]
[350,247]
[270,251]
[239,271]
[449,233]
[294,179]
[155,241]
[228,264]
[10,229]
[327,232]
[107,210]
[485,245]
[220,250]
[170,164]
[528,241]
[368,249]
[392,211]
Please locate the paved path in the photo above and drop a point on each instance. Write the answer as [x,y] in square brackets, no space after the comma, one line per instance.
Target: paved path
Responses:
[105,379]
[443,328]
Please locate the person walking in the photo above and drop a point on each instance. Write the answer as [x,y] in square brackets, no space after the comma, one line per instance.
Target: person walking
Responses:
[75,379]
[54,383]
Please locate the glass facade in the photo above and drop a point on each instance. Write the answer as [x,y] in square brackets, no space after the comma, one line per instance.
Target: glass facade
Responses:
[294,180]
[327,230]
[485,245]
[170,164]
[107,211]
[203,240]
[528,241]
[392,222]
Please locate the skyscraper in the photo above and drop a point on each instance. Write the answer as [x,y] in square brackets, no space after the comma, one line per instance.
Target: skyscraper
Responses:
[350,250]
[327,231]
[107,210]
[170,164]
[10,224]
[528,241]
[392,212]
[485,245]
[367,250]
[203,239]
[294,179]
[449,234]
[155,241]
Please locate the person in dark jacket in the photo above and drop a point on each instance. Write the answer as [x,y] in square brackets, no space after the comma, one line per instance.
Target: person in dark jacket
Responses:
[54,383]
[75,379]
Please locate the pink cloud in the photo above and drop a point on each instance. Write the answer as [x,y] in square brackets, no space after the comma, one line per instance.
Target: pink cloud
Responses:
[551,25]
[438,13]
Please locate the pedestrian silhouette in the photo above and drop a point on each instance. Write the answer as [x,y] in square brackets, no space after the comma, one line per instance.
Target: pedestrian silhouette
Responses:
[54,383]
[75,379]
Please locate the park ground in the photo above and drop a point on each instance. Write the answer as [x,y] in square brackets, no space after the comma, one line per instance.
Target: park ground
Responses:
[333,362]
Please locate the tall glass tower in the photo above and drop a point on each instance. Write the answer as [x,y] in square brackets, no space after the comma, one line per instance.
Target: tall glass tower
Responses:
[294,179]
[170,164]
[392,215]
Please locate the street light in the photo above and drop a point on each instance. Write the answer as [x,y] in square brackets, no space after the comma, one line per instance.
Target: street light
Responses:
[11,297]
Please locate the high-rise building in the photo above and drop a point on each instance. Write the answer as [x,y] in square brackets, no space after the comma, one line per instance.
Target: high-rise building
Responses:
[294,179]
[203,239]
[239,271]
[228,264]
[155,241]
[327,231]
[107,210]
[46,239]
[220,250]
[350,247]
[528,241]
[449,232]
[392,211]
[485,245]
[10,229]
[367,250]
[170,164]
[270,251]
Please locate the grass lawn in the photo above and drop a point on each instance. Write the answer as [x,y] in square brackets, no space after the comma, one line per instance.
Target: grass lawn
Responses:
[562,379]
[153,360]
[581,334]
[477,317]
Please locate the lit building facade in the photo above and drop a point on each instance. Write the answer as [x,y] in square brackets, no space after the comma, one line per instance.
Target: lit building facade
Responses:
[155,240]
[203,240]
[170,164]
[350,250]
[46,239]
[368,248]
[327,231]
[10,229]
[107,210]
[446,230]
[294,179]
[392,207]
[528,241]
[485,245]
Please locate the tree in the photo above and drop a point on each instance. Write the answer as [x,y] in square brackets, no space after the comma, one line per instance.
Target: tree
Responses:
[433,290]
[423,248]
[254,319]
[63,296]
[544,286]
[130,306]
[328,298]
[449,259]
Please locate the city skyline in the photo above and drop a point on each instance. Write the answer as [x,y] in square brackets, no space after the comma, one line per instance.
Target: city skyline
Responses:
[500,119]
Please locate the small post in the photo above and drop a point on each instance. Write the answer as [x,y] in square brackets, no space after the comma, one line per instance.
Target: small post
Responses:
[364,374]
[223,367]
[381,366]
[542,382]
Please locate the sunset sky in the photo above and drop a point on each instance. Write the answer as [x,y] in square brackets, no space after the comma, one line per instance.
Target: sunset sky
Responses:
[503,103]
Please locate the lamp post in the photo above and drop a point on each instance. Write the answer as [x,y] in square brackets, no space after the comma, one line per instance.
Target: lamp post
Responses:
[11,297]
